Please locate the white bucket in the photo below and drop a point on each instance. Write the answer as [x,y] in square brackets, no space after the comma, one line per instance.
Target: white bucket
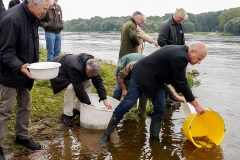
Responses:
[188,109]
[97,117]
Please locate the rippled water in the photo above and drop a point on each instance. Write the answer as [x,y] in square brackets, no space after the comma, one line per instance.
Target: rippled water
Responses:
[219,90]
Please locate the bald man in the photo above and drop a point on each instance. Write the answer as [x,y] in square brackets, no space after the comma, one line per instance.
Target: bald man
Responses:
[164,66]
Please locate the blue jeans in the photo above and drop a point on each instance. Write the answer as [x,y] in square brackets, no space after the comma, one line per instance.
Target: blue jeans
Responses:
[117,92]
[53,45]
[133,94]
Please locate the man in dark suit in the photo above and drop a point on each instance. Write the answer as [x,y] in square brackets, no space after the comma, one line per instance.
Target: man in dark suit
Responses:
[164,66]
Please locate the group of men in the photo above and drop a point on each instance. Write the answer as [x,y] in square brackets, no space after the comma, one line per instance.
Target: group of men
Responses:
[151,74]
[19,47]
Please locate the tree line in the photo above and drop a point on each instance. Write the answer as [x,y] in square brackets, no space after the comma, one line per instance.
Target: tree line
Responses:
[221,21]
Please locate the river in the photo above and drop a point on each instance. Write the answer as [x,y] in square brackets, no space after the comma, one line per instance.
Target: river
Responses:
[219,90]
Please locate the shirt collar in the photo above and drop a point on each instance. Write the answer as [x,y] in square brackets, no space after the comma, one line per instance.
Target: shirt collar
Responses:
[27,11]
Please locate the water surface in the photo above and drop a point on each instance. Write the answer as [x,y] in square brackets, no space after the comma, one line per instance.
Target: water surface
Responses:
[219,90]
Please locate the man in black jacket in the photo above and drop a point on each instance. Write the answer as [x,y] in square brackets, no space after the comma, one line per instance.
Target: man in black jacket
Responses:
[75,75]
[171,33]
[164,66]
[19,46]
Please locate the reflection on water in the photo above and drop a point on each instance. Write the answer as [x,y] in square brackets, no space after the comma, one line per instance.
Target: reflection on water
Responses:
[192,153]
[219,90]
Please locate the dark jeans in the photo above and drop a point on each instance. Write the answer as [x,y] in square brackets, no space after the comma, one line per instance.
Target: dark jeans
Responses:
[133,94]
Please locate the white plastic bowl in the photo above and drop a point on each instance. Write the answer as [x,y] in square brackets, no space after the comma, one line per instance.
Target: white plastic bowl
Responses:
[96,118]
[188,109]
[44,70]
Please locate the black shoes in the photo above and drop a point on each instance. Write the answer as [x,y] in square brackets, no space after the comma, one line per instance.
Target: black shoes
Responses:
[2,154]
[76,113]
[28,143]
[67,120]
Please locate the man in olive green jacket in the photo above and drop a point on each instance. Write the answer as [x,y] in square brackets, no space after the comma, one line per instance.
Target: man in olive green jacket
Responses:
[129,39]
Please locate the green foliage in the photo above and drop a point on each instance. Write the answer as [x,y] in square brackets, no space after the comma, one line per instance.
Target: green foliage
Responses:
[227,15]
[188,26]
[233,26]
[192,81]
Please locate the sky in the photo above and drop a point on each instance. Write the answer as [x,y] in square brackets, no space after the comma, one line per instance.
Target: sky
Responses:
[73,9]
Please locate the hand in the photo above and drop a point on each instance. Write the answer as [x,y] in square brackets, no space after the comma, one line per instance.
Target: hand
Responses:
[136,47]
[107,104]
[91,105]
[180,98]
[156,43]
[199,109]
[25,71]
[124,92]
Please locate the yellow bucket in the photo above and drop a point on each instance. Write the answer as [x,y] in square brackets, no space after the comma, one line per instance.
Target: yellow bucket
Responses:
[209,124]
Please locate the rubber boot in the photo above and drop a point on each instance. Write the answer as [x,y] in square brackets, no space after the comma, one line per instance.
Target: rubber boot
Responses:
[155,127]
[111,126]
[117,98]
[2,154]
[142,106]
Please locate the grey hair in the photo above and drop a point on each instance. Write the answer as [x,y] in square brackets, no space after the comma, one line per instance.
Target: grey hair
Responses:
[94,65]
[144,18]
[136,14]
[180,12]
[40,3]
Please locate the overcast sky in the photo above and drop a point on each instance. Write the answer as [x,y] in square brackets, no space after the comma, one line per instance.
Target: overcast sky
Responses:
[73,9]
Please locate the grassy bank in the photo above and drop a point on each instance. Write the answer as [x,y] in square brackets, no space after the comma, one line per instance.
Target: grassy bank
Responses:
[46,108]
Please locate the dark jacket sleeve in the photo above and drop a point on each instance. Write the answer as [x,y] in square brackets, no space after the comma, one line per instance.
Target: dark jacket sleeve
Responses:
[180,80]
[163,34]
[77,83]
[97,82]
[8,41]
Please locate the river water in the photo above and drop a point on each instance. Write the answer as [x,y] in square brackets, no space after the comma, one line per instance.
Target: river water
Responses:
[219,90]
